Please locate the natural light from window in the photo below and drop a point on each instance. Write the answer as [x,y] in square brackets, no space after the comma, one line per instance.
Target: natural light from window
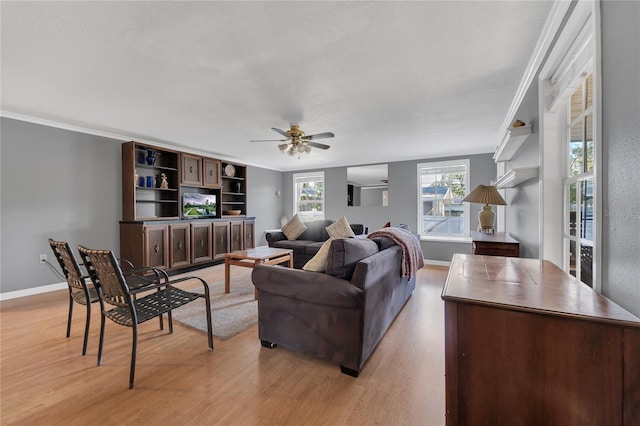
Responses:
[441,188]
[308,195]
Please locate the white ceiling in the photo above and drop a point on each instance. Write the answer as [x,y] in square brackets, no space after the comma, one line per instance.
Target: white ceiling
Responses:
[392,80]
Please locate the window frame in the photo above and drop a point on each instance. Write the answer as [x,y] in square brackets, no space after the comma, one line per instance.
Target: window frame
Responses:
[307,176]
[464,236]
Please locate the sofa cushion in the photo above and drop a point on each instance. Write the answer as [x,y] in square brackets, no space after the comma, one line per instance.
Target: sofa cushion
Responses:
[345,253]
[313,247]
[294,228]
[383,242]
[340,229]
[315,230]
[298,246]
[318,263]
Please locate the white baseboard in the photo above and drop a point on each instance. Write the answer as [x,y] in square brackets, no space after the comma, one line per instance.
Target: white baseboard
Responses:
[437,262]
[32,291]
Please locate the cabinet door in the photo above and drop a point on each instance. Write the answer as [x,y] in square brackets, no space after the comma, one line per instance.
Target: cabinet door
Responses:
[220,239]
[201,242]
[237,236]
[191,170]
[156,242]
[249,239]
[179,245]
[211,173]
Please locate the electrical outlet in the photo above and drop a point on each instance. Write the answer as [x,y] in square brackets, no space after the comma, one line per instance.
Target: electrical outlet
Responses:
[43,258]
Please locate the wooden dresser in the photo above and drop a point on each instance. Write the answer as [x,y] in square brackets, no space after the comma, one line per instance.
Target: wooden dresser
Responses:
[528,344]
[498,244]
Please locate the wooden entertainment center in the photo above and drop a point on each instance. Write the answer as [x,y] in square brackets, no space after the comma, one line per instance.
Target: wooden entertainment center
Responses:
[155,232]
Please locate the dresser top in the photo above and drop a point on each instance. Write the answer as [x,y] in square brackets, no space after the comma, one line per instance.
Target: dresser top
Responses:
[530,285]
[498,237]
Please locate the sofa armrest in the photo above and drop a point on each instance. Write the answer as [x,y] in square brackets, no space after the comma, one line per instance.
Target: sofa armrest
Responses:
[307,286]
[359,229]
[272,237]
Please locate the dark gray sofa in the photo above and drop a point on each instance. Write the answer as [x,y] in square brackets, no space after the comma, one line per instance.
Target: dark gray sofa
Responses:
[340,315]
[307,245]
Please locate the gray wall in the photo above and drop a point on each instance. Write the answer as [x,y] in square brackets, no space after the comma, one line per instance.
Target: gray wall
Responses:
[59,184]
[621,152]
[403,207]
[263,201]
[523,201]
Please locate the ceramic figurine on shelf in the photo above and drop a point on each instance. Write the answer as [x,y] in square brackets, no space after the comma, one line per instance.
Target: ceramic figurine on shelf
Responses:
[164,184]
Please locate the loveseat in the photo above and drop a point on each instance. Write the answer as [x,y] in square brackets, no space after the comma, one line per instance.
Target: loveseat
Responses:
[307,245]
[340,315]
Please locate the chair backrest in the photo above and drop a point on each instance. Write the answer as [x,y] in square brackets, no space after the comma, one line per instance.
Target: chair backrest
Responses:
[68,264]
[107,276]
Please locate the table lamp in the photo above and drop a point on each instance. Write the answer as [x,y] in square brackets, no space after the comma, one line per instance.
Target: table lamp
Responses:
[486,194]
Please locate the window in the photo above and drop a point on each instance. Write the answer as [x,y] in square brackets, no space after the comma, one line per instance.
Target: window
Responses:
[578,183]
[441,188]
[308,195]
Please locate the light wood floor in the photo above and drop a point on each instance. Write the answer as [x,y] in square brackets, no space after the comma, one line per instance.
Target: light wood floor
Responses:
[46,380]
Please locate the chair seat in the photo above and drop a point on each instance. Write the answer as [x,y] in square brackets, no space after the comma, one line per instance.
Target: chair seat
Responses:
[151,306]
[135,281]
[79,296]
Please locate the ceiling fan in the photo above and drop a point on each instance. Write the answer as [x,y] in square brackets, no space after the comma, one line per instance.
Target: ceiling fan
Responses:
[296,141]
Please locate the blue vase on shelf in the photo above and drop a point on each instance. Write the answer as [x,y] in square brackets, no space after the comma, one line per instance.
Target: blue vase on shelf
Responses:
[151,157]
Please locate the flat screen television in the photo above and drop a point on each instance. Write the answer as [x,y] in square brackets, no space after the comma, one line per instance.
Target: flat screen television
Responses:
[195,205]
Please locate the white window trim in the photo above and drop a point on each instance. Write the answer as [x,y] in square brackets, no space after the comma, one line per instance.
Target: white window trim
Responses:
[466,237]
[580,42]
[299,176]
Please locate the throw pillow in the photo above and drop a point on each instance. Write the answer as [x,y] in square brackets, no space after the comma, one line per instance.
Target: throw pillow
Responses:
[340,229]
[318,263]
[294,228]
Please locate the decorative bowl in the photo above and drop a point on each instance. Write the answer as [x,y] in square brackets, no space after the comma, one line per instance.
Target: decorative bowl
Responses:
[233,212]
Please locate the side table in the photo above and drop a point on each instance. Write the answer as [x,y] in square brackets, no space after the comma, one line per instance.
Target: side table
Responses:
[498,244]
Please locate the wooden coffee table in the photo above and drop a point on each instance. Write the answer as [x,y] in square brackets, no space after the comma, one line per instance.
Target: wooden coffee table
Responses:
[252,257]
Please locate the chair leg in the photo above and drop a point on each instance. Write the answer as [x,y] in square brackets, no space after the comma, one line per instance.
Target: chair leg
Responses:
[70,315]
[134,349]
[207,303]
[170,321]
[87,323]
[101,344]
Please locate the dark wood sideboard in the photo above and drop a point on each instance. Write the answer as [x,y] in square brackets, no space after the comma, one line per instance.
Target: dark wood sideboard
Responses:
[528,344]
[498,244]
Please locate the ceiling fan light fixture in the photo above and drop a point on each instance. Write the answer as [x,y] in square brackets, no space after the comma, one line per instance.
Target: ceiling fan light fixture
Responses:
[297,142]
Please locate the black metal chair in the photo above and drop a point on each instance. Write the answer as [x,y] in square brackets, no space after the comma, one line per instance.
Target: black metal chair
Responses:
[129,310]
[79,290]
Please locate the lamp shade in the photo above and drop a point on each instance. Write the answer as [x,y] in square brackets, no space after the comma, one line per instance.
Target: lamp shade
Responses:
[485,194]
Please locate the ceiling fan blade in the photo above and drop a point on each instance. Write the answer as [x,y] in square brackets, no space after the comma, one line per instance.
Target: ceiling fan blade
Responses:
[282,132]
[318,145]
[325,135]
[269,140]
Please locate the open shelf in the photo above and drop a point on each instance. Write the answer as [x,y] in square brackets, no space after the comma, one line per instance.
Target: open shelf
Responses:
[516,176]
[511,143]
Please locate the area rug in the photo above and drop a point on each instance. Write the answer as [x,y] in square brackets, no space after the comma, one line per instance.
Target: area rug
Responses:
[231,313]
